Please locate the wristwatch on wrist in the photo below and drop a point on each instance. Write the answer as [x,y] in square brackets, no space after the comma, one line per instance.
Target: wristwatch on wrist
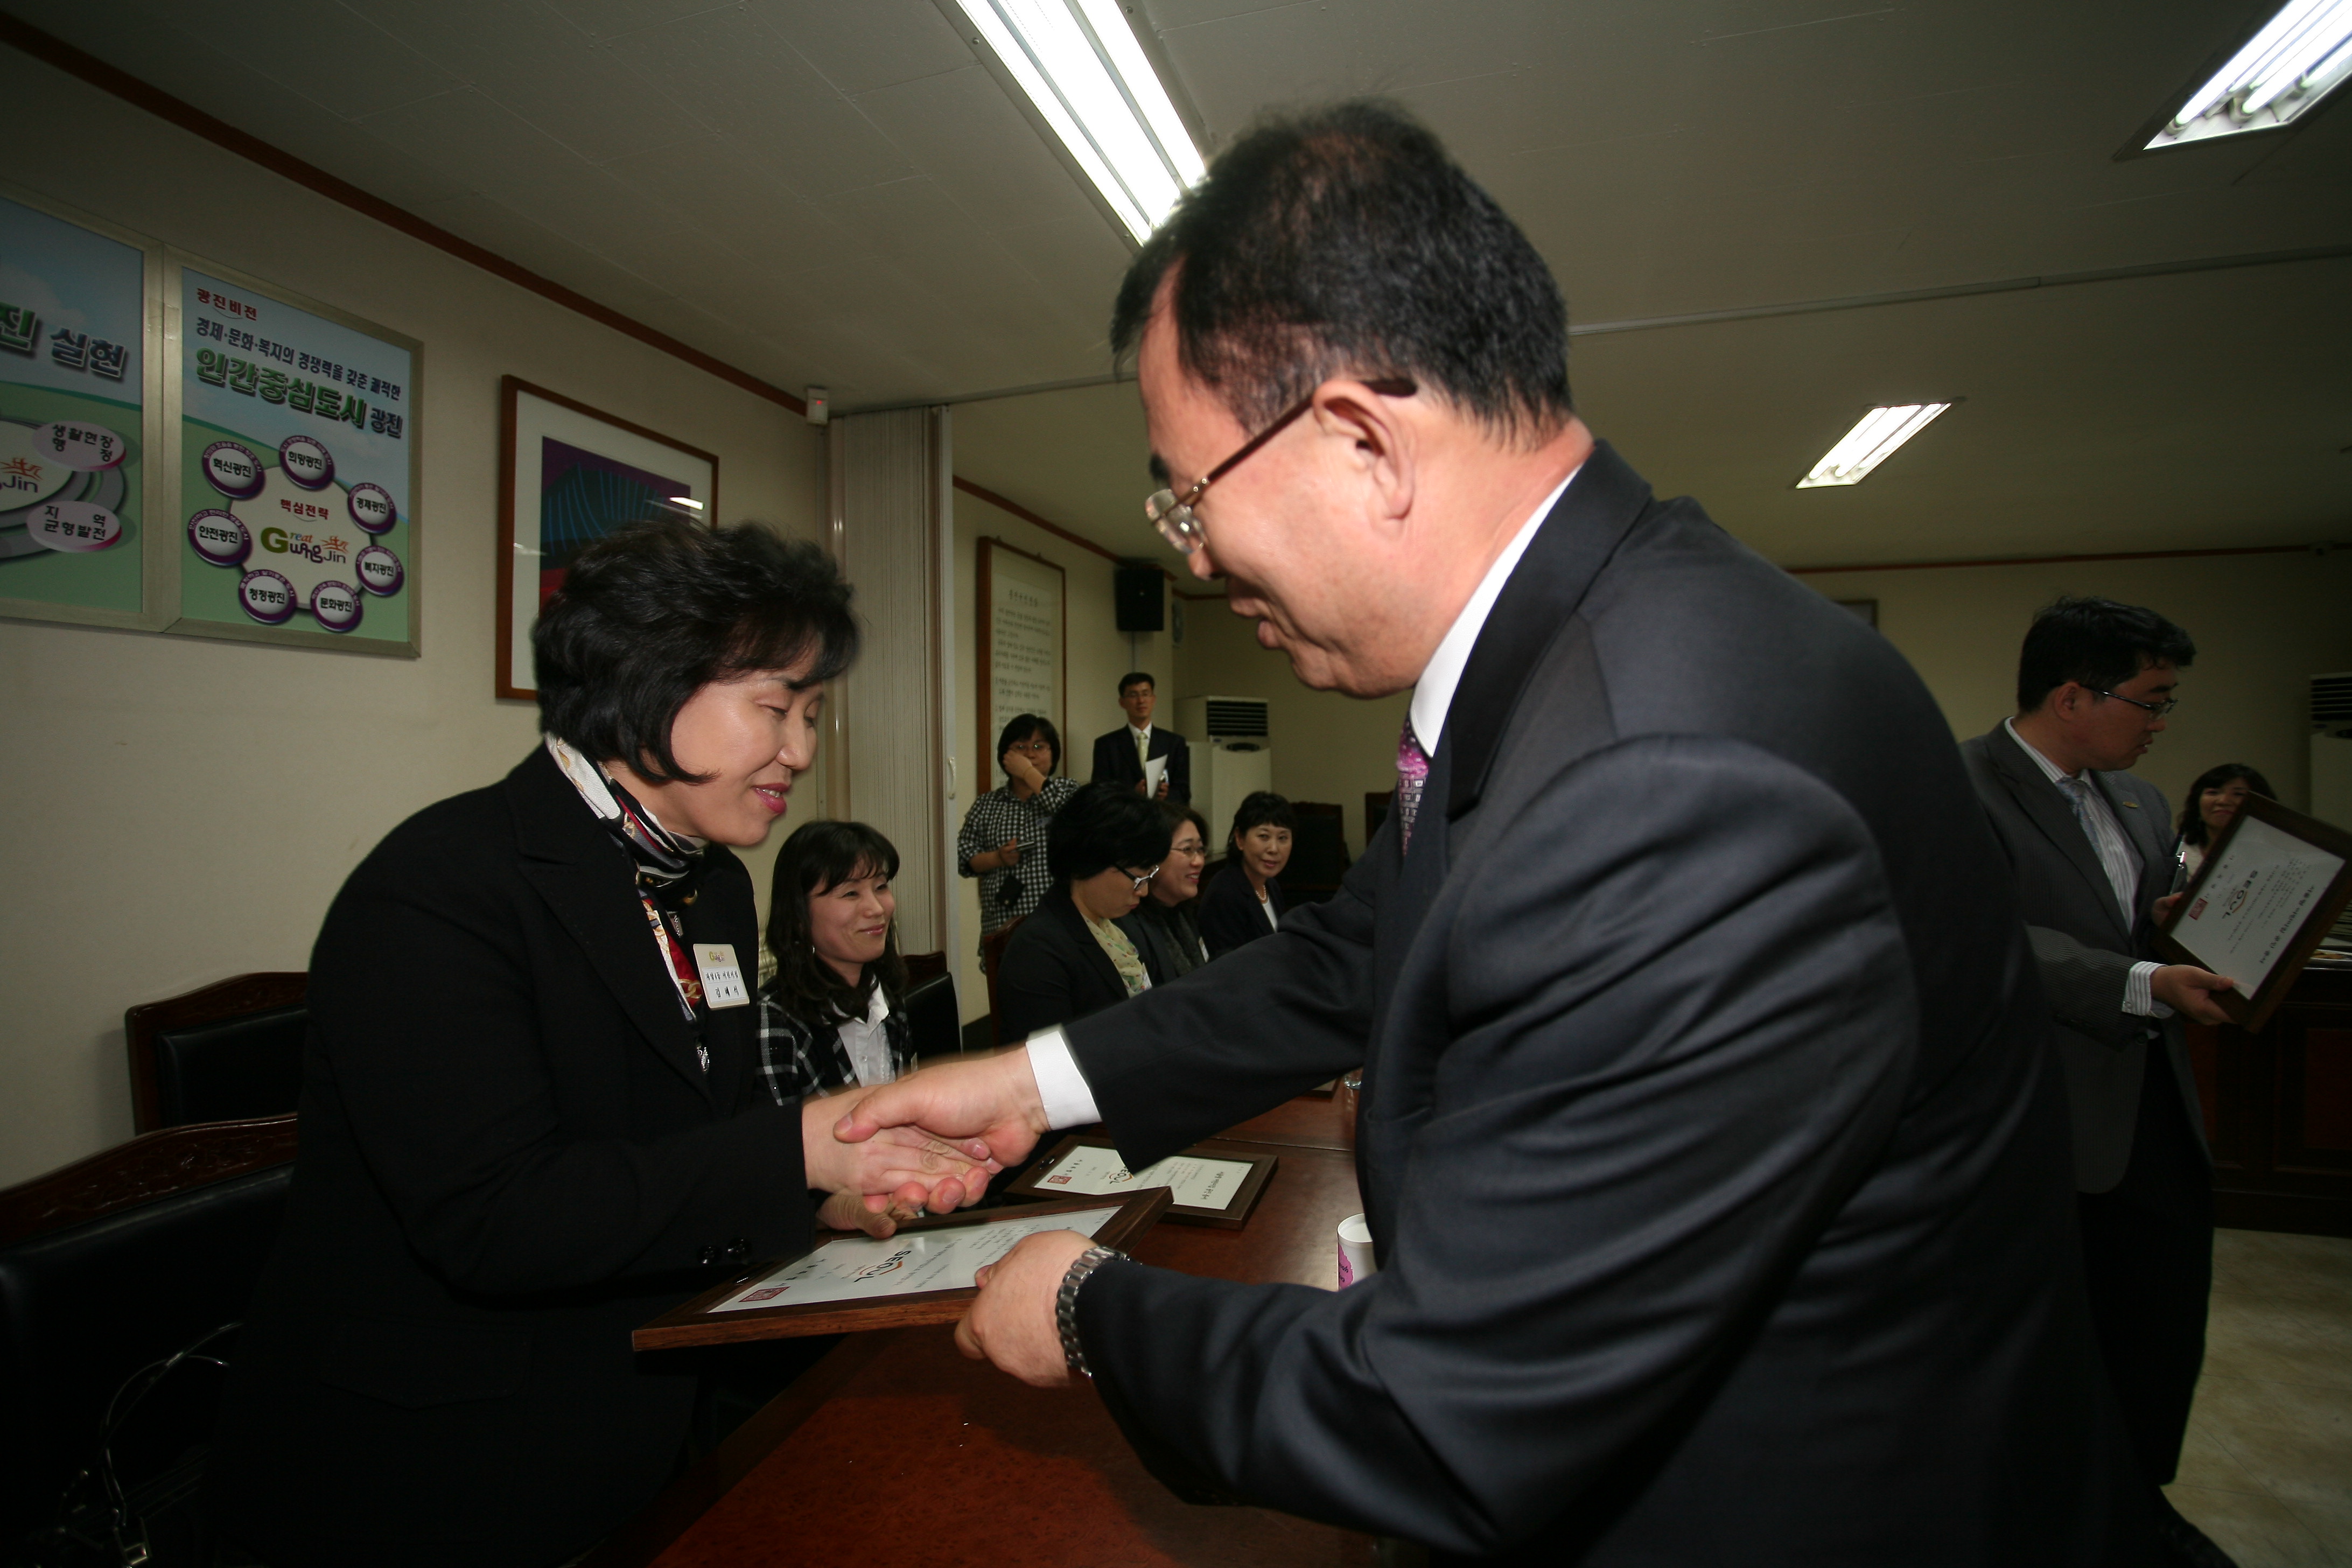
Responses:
[1065,1303]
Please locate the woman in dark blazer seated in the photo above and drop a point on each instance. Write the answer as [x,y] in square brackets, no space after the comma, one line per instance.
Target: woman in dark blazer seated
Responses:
[1070,958]
[531,1110]
[1244,900]
[1165,925]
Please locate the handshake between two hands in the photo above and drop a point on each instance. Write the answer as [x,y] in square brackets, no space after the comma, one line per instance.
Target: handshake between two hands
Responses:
[930,1142]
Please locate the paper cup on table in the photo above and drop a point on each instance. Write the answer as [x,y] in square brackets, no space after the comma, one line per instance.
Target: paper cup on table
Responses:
[1355,1251]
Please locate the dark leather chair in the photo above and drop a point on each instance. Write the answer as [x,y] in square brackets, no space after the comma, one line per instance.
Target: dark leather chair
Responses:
[229,1052]
[934,1025]
[1318,853]
[107,1267]
[922,966]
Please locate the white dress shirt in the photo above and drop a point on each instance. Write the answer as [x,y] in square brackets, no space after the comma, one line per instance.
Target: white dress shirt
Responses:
[868,1044]
[1061,1087]
[2115,857]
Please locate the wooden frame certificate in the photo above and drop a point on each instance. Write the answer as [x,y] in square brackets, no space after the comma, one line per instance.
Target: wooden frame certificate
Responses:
[1216,1184]
[2266,896]
[921,1274]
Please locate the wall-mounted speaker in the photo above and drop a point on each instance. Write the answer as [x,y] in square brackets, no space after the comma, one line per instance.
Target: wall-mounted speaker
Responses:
[1138,591]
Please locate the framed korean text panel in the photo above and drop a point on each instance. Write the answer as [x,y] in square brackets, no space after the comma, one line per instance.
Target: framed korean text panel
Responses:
[570,475]
[297,429]
[1023,639]
[81,419]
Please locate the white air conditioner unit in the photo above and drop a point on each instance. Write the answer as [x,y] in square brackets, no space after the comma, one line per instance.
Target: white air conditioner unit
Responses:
[2331,748]
[1222,718]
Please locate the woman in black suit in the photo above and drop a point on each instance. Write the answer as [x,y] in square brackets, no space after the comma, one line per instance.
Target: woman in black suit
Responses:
[1070,958]
[532,1111]
[1166,922]
[1244,900]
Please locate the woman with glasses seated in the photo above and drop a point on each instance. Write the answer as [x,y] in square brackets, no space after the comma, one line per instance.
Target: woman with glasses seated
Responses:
[1002,841]
[1071,958]
[1244,900]
[1164,925]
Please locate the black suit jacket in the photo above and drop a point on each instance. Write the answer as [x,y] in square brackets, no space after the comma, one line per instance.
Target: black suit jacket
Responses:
[510,1158]
[2084,947]
[1116,763]
[1052,971]
[1709,1136]
[1231,916]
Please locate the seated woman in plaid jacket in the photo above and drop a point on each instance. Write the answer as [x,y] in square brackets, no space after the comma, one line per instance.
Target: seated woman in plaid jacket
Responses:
[830,1020]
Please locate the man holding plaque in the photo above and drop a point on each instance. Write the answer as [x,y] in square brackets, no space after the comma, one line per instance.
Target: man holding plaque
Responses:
[1712,1151]
[2091,846]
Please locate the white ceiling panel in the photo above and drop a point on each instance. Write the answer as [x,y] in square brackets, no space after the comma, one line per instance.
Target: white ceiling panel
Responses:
[958,128]
[744,81]
[311,48]
[858,46]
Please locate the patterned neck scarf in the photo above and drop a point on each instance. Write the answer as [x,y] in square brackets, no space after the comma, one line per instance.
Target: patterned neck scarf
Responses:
[668,868]
[662,858]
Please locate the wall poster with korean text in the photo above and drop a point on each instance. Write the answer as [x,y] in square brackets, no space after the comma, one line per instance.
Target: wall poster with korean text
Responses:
[297,468]
[81,420]
[570,475]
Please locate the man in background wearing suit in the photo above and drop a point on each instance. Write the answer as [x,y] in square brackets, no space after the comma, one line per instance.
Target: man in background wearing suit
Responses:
[1120,756]
[1711,1145]
[2091,846]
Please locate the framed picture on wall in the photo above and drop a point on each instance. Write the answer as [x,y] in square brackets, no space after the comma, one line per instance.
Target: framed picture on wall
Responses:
[293,441]
[1024,644]
[83,490]
[569,475]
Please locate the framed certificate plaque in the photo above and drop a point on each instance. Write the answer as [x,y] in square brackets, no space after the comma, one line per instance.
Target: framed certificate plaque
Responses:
[923,1274]
[2268,892]
[1215,1183]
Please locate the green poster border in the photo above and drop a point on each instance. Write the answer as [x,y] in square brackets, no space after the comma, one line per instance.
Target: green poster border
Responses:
[173,289]
[159,534]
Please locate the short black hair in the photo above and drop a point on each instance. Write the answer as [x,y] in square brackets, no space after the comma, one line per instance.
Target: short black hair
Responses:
[2096,644]
[2192,819]
[1104,825]
[652,613]
[1138,677]
[1020,727]
[1344,241]
[1179,813]
[1261,808]
[821,855]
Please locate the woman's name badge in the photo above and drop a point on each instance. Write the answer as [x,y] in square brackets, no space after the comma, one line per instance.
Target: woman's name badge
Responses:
[722,982]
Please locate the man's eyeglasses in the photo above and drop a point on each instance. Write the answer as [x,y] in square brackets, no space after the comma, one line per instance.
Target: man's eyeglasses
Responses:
[1143,881]
[2158,709]
[1173,514]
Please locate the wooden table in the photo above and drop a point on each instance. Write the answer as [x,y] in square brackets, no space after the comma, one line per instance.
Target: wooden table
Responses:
[2278,1111]
[895,1450]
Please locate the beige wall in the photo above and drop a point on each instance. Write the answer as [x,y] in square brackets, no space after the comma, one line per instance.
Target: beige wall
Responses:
[1325,747]
[186,809]
[1096,653]
[2263,624]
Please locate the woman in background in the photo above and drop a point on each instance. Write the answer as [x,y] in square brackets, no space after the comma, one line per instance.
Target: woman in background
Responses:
[1071,958]
[830,1019]
[2212,804]
[1004,838]
[1164,925]
[1244,900]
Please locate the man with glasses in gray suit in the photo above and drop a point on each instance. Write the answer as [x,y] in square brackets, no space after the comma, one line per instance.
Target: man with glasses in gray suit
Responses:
[2091,846]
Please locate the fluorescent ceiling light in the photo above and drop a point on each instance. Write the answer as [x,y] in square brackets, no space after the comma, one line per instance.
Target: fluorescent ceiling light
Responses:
[1088,79]
[1871,442]
[2299,55]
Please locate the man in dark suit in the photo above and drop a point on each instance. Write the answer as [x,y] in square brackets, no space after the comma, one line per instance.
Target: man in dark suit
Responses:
[2090,848]
[1711,1148]
[1120,756]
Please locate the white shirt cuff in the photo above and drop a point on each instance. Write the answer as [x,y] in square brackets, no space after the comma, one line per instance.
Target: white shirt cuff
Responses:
[2136,997]
[1062,1089]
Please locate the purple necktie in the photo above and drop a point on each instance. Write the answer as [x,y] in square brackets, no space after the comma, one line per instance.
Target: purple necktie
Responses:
[1412,771]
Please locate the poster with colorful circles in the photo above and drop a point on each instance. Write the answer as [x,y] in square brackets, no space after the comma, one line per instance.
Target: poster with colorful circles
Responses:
[297,437]
[74,423]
